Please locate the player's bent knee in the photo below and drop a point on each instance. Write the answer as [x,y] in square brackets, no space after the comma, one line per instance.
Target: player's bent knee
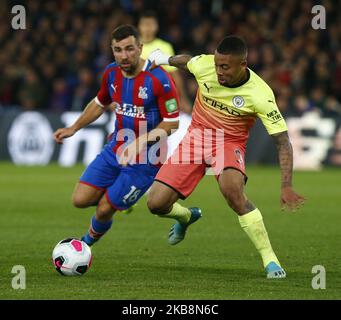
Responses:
[104,209]
[85,196]
[153,205]
[161,198]
[79,201]
[157,205]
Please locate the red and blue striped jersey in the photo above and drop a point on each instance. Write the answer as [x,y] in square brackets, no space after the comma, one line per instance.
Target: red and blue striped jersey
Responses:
[142,101]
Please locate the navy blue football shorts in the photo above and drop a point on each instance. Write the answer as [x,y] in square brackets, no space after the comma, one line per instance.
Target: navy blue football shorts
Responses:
[123,186]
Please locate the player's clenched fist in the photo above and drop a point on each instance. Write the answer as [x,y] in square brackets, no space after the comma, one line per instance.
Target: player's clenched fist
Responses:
[63,133]
[159,58]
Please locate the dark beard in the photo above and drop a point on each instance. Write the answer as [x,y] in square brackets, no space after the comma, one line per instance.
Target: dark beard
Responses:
[131,70]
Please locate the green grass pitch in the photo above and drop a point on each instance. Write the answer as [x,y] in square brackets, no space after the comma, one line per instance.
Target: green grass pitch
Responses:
[134,261]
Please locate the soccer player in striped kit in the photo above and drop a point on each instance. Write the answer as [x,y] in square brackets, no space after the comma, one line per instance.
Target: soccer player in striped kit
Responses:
[147,110]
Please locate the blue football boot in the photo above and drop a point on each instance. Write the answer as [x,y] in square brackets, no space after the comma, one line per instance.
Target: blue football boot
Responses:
[274,271]
[178,231]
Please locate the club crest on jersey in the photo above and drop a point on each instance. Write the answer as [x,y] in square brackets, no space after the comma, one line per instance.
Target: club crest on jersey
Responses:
[238,101]
[142,93]
[239,157]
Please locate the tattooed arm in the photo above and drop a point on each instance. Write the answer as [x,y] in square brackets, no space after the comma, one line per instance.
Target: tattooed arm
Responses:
[289,198]
[285,156]
[180,61]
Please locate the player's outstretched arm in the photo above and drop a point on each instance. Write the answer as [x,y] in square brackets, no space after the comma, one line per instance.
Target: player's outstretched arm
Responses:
[179,61]
[289,198]
[92,112]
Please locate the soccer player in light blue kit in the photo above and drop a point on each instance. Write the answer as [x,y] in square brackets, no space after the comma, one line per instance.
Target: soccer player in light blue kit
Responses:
[146,107]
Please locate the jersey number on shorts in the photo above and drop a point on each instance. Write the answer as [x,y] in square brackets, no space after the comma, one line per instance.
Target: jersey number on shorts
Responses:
[132,195]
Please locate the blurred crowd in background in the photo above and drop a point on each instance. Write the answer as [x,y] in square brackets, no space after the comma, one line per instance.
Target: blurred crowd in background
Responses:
[57,62]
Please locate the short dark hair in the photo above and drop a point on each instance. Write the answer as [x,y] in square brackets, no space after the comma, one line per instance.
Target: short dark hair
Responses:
[148,14]
[124,31]
[232,45]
